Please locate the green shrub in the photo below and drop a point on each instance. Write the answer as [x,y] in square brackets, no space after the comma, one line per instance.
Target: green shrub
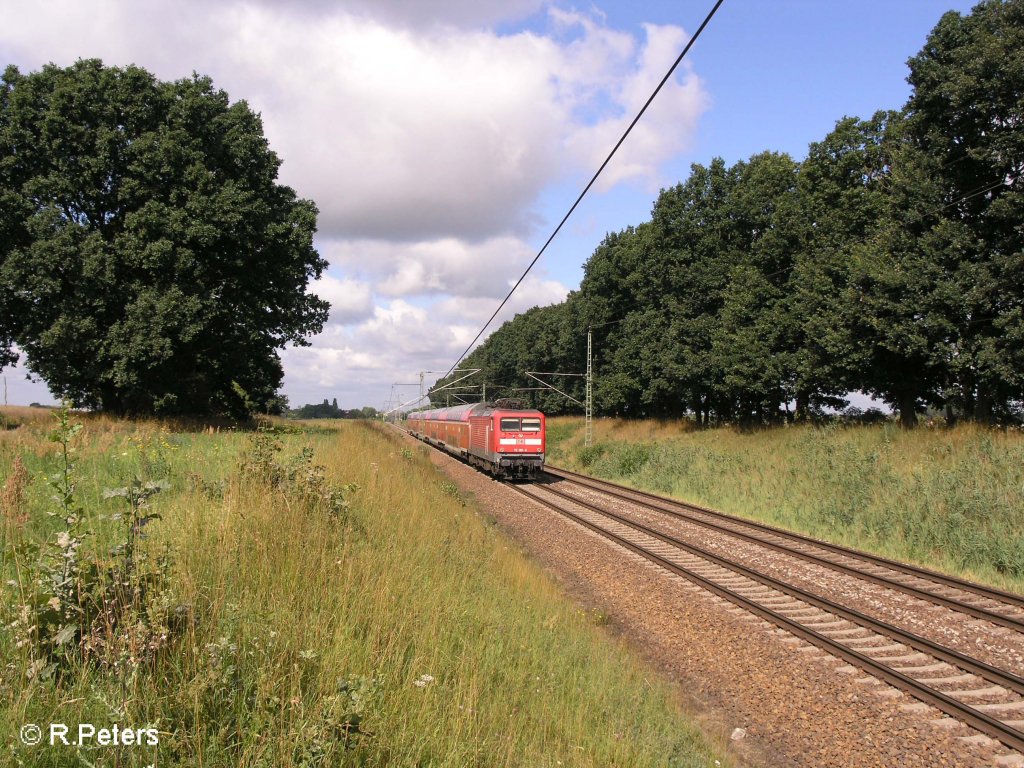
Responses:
[587,456]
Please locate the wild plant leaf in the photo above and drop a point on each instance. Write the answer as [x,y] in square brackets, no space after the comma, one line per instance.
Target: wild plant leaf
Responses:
[47,671]
[351,722]
[66,634]
[143,521]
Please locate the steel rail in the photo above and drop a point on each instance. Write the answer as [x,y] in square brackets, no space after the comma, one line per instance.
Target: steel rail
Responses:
[990,673]
[1004,733]
[671,506]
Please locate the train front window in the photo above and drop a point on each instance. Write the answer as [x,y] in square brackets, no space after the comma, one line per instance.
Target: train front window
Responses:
[531,425]
[510,425]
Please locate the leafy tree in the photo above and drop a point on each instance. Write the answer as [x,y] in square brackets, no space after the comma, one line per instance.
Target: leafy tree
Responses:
[149,261]
[535,340]
[751,340]
[613,277]
[696,248]
[746,344]
[840,186]
[621,298]
[322,410]
[967,114]
[904,294]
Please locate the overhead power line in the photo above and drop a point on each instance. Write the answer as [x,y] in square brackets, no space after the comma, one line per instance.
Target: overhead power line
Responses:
[586,189]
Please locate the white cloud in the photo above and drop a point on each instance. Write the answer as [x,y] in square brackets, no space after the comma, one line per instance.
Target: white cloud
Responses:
[397,132]
[351,300]
[534,292]
[666,127]
[424,13]
[403,137]
[425,137]
[446,266]
[400,340]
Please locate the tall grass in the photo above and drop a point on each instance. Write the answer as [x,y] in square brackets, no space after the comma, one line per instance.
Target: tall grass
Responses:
[949,499]
[389,624]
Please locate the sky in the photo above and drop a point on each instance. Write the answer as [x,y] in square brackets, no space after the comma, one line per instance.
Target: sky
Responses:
[443,141]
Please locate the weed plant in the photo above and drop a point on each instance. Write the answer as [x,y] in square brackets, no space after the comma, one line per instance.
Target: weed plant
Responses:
[293,598]
[948,499]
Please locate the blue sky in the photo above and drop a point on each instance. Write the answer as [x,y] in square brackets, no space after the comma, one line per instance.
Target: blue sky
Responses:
[779,74]
[443,142]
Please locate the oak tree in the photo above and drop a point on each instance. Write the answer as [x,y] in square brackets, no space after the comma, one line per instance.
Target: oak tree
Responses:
[149,260]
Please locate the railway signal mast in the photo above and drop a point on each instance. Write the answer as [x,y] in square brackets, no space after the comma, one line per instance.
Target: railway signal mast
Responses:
[588,432]
[588,405]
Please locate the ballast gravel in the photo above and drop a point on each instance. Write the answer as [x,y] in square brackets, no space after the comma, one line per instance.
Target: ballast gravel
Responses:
[767,697]
[999,646]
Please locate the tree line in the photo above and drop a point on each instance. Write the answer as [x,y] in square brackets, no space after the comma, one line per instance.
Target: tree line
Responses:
[889,261]
[330,410]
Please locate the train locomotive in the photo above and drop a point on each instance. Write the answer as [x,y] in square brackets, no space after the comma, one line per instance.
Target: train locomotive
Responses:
[502,439]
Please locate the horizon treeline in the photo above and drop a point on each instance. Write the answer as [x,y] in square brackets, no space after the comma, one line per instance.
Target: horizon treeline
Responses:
[889,261]
[330,410]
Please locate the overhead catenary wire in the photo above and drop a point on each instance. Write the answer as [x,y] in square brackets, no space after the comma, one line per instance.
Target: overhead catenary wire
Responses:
[586,189]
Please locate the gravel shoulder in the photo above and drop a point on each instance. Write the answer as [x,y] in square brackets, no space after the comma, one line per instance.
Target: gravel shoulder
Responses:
[794,704]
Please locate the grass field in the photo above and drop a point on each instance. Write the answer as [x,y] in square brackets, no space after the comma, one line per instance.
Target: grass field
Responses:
[297,597]
[948,499]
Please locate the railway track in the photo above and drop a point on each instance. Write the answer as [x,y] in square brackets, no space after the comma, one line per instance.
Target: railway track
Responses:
[993,605]
[990,698]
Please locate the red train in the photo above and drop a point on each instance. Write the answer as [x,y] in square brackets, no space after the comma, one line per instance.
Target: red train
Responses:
[505,441]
